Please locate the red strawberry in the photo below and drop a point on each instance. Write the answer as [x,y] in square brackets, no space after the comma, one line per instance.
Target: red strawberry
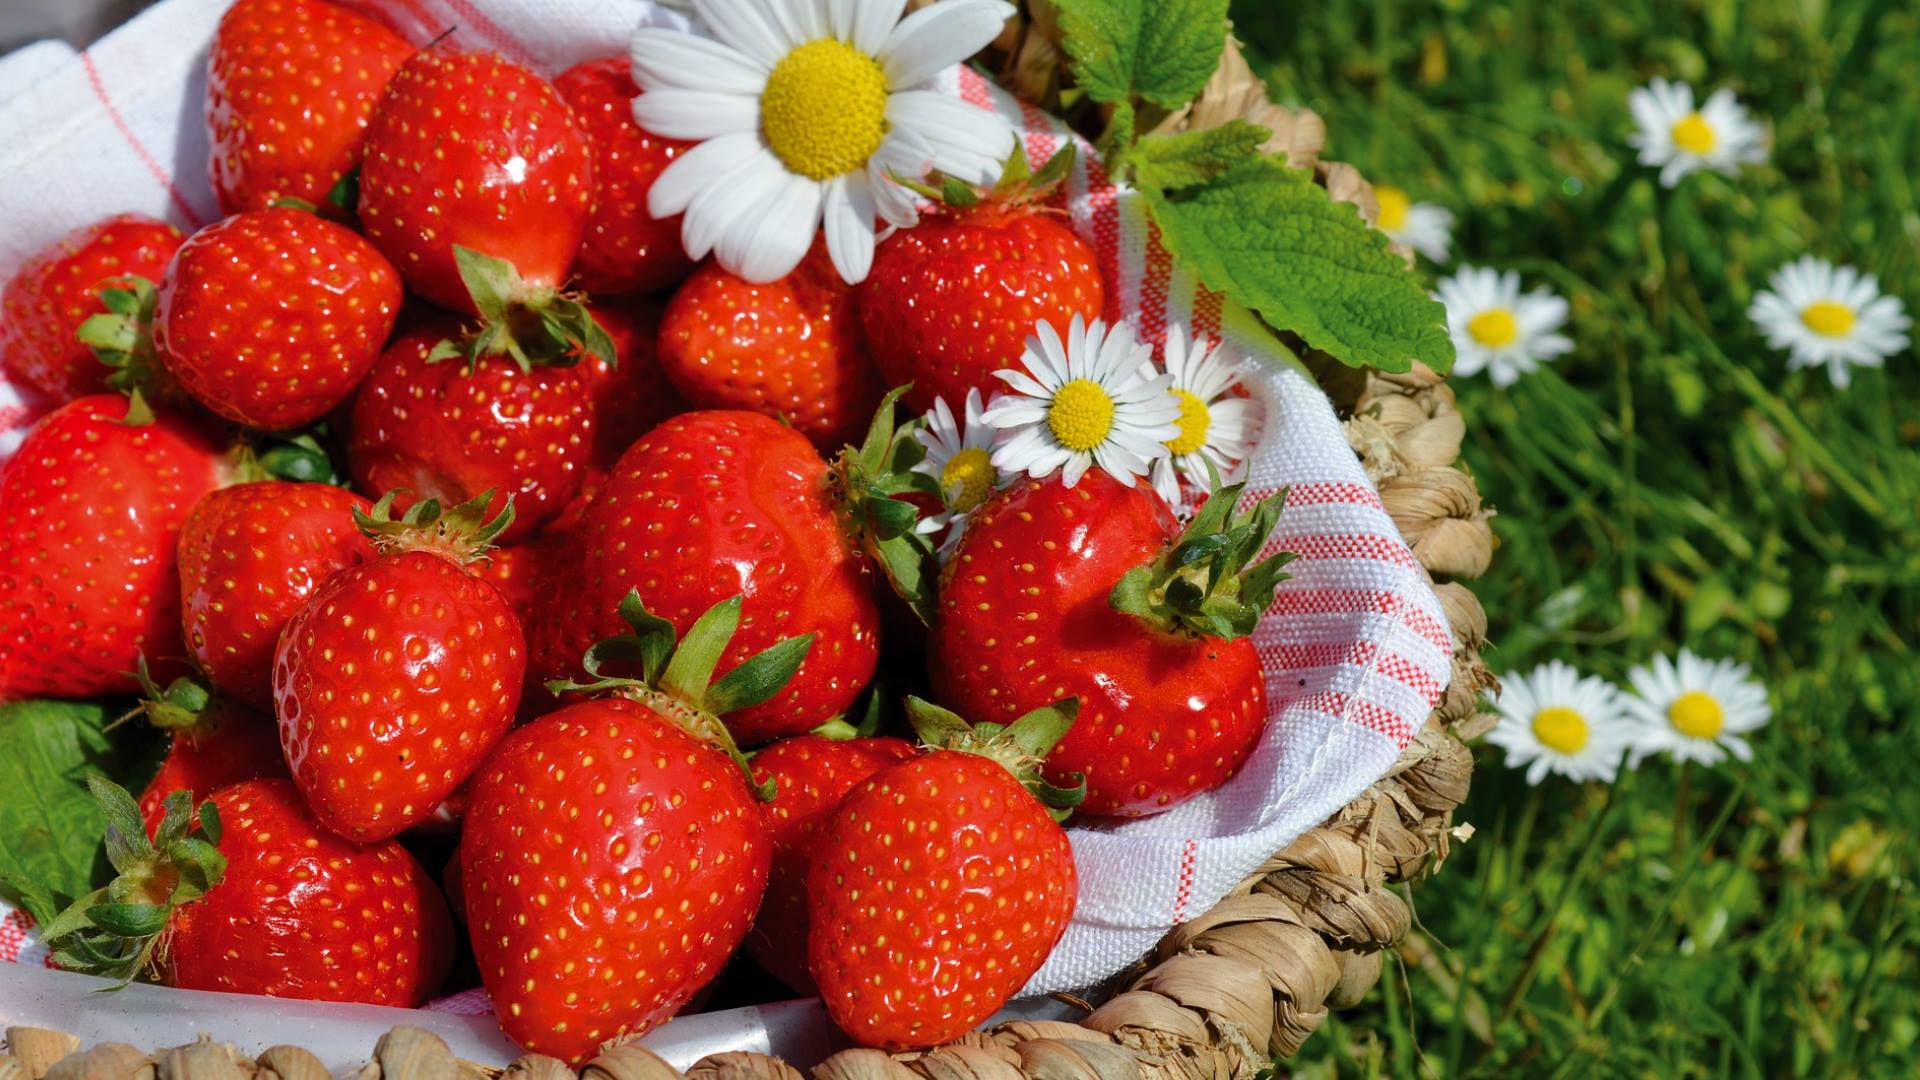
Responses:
[792,348]
[399,674]
[250,555]
[290,84]
[1058,591]
[55,291]
[214,742]
[91,506]
[631,394]
[612,857]
[271,317]
[626,249]
[940,884]
[810,774]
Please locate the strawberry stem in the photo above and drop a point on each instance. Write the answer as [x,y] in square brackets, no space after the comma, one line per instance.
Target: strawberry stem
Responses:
[1203,585]
[178,707]
[531,324]
[1019,747]
[463,534]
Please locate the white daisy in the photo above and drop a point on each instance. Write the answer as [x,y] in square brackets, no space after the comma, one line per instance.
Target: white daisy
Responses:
[960,458]
[1553,719]
[1497,329]
[1696,710]
[1090,400]
[802,109]
[1681,139]
[1832,315]
[1215,424]
[1424,227]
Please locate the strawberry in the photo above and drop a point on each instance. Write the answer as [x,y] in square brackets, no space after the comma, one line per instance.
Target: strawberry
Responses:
[612,855]
[631,394]
[213,742]
[809,774]
[792,348]
[954,299]
[626,249]
[55,291]
[1147,626]
[399,674]
[91,506]
[250,555]
[940,884]
[290,84]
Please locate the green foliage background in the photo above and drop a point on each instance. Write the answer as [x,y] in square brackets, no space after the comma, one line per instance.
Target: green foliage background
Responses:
[1668,484]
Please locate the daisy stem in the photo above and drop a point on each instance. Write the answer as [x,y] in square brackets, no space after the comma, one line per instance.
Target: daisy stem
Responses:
[1682,798]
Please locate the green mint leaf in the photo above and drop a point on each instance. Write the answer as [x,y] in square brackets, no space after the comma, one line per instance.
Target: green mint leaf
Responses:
[1191,158]
[1160,50]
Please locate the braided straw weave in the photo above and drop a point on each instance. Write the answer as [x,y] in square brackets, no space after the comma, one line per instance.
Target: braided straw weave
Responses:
[1224,994]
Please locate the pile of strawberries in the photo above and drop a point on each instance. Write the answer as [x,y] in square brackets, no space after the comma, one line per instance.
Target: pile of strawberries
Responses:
[607,586]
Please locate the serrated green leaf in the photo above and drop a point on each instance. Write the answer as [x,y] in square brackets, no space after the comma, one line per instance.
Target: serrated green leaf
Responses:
[1189,158]
[1160,50]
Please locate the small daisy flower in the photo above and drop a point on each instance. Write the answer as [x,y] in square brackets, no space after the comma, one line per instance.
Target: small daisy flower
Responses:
[1424,227]
[802,109]
[960,459]
[1832,315]
[1497,329]
[1696,710]
[1215,424]
[1680,139]
[1089,400]
[1553,719]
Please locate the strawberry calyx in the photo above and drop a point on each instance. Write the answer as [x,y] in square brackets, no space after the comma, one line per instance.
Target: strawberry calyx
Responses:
[1018,184]
[866,481]
[121,337]
[180,707]
[1203,585]
[463,534]
[1019,747]
[531,324]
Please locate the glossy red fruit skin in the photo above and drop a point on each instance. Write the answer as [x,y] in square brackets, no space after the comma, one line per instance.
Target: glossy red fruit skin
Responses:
[391,686]
[954,299]
[706,506]
[791,348]
[937,889]
[305,914]
[229,745]
[610,863]
[474,150]
[91,509]
[250,555]
[632,396]
[55,291]
[1162,717]
[290,85]
[811,775]
[626,249]
[270,318]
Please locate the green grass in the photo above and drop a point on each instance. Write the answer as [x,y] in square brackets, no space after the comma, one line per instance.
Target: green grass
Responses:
[1668,484]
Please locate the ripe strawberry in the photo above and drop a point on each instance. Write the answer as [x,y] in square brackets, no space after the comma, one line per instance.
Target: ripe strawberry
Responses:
[792,348]
[940,884]
[55,291]
[213,742]
[626,249]
[250,555]
[91,505]
[290,84]
[631,394]
[399,674]
[612,855]
[1093,591]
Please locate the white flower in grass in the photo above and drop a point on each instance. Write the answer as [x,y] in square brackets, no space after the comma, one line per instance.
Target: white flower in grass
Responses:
[802,109]
[1696,710]
[1424,227]
[1216,425]
[960,458]
[1089,400]
[1496,329]
[1554,719]
[1831,315]
[1679,139]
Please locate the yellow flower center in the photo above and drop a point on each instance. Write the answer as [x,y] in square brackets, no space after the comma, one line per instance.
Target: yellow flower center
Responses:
[1560,729]
[1495,328]
[967,479]
[1393,207]
[1693,134]
[824,110]
[1696,715]
[1194,422]
[1081,415]
[1827,318]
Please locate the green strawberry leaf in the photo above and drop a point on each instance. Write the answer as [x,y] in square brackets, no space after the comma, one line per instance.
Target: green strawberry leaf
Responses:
[758,677]
[1160,50]
[1191,158]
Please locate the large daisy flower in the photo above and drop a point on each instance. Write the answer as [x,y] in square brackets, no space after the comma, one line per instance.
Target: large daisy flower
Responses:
[1424,227]
[1555,720]
[1091,399]
[1679,139]
[1216,426]
[959,458]
[803,109]
[1696,710]
[1498,330]
[1832,315]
